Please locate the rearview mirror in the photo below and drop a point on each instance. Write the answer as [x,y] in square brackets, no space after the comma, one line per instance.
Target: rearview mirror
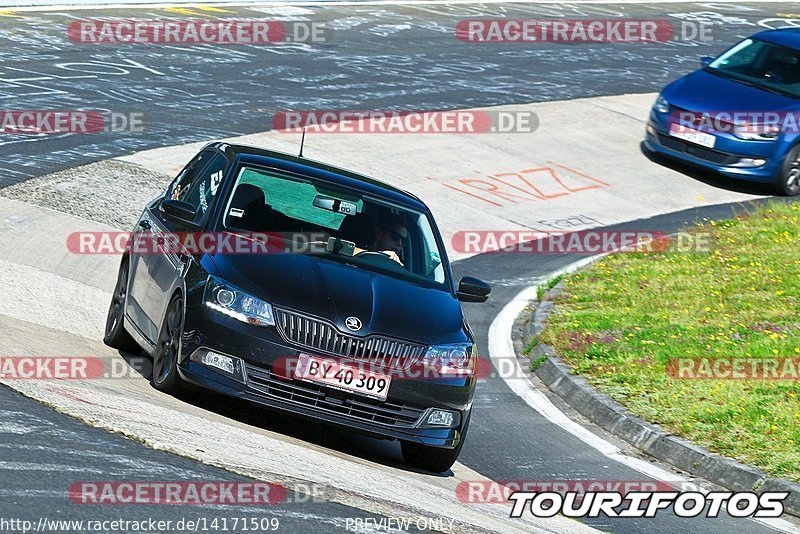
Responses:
[473,290]
[335,205]
[179,211]
[705,60]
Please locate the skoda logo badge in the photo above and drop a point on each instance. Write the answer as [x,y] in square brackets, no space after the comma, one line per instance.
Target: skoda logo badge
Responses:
[353,323]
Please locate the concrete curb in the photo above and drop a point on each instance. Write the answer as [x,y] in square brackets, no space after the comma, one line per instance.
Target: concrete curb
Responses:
[649,438]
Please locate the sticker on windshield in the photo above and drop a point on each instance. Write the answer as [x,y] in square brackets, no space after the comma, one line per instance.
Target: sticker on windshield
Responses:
[203,201]
[348,208]
[216,179]
[236,212]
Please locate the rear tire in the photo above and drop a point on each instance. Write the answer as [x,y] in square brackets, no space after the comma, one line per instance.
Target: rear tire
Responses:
[788,180]
[115,334]
[165,361]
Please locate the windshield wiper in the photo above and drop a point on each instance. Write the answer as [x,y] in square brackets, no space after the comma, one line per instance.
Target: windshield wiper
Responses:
[745,81]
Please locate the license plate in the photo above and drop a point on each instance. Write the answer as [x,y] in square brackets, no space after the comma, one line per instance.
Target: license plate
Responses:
[693,136]
[342,376]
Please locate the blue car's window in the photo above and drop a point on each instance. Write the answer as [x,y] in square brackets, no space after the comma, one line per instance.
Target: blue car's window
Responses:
[765,65]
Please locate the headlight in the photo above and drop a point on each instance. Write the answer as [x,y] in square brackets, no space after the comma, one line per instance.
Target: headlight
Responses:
[457,358]
[757,133]
[233,302]
[661,105]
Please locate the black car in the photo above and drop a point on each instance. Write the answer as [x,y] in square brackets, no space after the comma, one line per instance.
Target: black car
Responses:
[340,308]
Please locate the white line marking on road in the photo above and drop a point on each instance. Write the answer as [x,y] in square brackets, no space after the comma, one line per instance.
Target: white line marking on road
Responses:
[501,347]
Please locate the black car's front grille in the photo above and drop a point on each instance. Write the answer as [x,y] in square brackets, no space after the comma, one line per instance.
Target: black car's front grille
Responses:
[265,383]
[323,337]
[713,156]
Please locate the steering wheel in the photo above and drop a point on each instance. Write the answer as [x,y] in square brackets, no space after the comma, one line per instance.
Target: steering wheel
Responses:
[379,259]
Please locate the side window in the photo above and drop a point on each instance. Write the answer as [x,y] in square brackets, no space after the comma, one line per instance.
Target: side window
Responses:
[433,267]
[200,181]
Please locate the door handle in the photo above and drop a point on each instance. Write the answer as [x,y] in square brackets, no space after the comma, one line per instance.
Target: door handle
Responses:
[145,224]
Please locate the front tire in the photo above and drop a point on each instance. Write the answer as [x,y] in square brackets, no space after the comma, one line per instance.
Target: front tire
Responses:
[165,361]
[788,180]
[115,334]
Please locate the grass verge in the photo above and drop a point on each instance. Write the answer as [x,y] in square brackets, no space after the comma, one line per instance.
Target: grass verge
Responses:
[619,322]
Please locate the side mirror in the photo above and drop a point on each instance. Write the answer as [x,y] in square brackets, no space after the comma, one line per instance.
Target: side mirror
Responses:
[473,290]
[179,211]
[705,60]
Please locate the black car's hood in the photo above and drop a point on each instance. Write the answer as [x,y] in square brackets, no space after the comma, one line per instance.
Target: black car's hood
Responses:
[336,291]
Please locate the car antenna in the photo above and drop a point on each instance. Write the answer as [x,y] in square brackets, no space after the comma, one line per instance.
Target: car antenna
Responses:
[302,142]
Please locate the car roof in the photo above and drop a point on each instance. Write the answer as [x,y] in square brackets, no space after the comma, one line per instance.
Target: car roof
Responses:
[789,37]
[322,171]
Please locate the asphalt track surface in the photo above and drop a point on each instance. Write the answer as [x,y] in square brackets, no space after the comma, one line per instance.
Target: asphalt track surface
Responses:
[194,93]
[42,451]
[380,58]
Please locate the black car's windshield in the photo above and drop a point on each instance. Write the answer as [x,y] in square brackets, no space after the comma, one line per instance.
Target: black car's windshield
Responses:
[761,64]
[315,218]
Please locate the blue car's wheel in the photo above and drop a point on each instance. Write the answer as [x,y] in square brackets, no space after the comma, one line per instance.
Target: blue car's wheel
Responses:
[788,182]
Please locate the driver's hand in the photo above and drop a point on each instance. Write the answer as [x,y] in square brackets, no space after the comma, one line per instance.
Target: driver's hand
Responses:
[392,255]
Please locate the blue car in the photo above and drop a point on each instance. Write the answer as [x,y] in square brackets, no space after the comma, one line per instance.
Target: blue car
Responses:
[738,114]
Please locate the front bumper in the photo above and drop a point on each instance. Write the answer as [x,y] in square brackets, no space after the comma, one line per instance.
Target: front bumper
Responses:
[264,353]
[719,159]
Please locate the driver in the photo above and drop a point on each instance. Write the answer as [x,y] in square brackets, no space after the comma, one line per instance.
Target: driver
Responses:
[390,237]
